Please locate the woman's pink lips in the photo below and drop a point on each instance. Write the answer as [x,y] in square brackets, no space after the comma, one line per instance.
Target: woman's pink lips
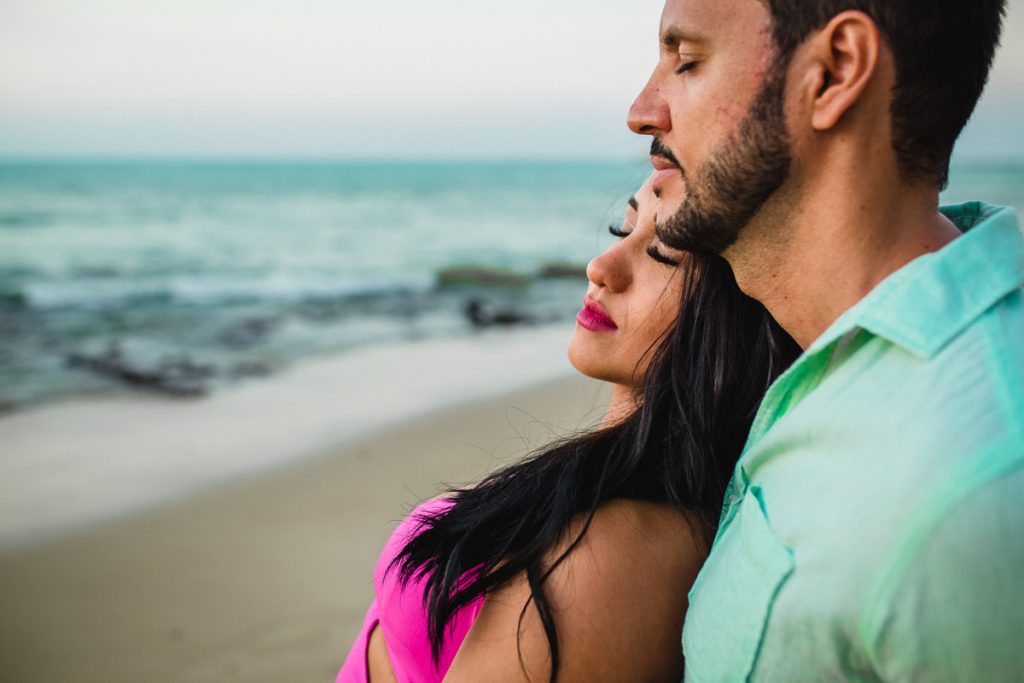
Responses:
[594,318]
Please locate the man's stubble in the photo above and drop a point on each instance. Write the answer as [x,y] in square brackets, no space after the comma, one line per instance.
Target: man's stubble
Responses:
[738,177]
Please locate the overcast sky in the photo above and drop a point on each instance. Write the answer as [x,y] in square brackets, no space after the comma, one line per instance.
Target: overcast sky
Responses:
[357,78]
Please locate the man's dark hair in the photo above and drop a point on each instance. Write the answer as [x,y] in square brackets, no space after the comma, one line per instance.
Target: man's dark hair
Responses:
[943,51]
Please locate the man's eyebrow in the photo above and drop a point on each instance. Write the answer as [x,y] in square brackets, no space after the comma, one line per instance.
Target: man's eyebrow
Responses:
[673,35]
[633,203]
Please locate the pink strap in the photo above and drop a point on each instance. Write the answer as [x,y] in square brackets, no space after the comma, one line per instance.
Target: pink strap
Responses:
[354,669]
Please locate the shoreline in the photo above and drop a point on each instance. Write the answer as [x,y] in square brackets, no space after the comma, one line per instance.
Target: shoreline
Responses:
[71,465]
[267,577]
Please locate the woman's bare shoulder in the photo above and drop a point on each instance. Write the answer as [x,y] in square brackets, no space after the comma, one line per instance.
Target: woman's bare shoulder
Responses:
[618,601]
[643,526]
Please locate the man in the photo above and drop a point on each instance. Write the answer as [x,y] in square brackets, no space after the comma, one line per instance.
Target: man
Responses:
[874,528]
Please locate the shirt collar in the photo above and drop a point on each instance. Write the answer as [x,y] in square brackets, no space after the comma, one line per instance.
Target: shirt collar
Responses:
[925,304]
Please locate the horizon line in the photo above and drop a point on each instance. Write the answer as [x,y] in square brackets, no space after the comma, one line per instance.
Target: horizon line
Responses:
[1009,157]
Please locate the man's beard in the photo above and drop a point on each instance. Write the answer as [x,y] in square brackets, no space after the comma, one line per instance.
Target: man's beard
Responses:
[736,179]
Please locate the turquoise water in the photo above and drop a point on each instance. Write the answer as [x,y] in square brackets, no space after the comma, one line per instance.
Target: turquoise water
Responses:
[209,273]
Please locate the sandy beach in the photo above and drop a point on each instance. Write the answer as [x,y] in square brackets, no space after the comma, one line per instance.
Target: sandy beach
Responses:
[265,577]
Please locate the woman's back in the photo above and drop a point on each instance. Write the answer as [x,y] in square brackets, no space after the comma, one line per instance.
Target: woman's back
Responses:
[619,600]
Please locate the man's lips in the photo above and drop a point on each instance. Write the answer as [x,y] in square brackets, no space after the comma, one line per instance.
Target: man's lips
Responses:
[663,171]
[662,155]
[662,164]
[595,318]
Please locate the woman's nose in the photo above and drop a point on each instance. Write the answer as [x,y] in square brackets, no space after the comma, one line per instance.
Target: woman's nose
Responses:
[610,270]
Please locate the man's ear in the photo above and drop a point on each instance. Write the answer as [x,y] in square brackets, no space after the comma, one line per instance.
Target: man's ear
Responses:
[844,56]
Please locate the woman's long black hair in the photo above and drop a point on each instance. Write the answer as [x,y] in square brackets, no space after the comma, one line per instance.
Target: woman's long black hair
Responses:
[679,447]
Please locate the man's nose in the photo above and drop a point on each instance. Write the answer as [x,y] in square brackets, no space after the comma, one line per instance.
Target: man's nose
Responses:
[649,114]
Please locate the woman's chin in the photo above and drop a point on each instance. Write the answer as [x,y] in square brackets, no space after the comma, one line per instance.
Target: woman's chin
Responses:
[590,362]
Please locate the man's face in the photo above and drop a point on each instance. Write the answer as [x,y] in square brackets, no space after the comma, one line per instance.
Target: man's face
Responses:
[714,105]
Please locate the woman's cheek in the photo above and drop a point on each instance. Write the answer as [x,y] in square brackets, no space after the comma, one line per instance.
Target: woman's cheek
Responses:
[668,306]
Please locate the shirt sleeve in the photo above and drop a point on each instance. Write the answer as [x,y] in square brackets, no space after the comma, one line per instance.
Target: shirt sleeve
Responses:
[956,610]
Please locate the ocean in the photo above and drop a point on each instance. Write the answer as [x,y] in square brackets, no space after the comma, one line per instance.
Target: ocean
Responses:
[184,277]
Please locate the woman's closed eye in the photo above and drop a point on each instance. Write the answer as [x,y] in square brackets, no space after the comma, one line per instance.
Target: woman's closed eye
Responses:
[655,253]
[619,231]
[652,249]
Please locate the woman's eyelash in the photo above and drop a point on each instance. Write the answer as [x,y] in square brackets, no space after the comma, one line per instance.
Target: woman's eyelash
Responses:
[652,250]
[617,231]
[655,254]
[686,66]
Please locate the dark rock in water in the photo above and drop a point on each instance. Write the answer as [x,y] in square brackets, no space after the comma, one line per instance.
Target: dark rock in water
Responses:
[174,376]
[13,299]
[6,407]
[481,276]
[249,332]
[321,312]
[557,271]
[482,314]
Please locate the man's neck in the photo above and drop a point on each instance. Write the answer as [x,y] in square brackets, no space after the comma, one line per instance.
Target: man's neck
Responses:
[811,257]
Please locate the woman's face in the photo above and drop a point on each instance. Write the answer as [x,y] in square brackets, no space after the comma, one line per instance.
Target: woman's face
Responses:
[632,300]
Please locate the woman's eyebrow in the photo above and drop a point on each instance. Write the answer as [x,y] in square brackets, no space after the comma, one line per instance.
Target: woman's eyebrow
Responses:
[633,203]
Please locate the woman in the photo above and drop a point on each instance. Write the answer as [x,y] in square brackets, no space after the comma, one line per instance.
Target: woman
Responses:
[575,564]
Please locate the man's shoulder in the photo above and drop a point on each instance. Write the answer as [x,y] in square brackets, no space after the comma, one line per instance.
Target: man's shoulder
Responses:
[1001,329]
[977,381]
[976,516]
[969,509]
[890,409]
[893,443]
[952,586]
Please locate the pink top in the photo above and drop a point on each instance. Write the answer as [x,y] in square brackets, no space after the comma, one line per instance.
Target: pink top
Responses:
[403,621]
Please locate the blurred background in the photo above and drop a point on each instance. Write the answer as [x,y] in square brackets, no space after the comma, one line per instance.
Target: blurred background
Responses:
[270,271]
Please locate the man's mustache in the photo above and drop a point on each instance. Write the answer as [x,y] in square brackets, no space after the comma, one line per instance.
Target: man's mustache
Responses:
[658,149]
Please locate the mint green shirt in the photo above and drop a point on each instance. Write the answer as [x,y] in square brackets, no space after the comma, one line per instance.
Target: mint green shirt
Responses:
[874,528]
